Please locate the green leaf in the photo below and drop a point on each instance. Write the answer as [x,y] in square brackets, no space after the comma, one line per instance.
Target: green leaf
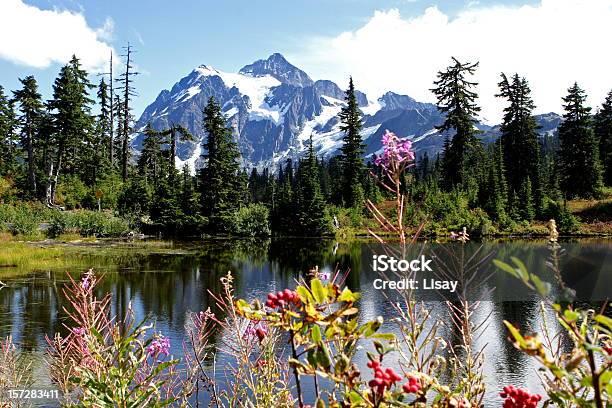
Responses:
[505,267]
[515,333]
[348,296]
[522,269]
[354,397]
[315,334]
[543,288]
[571,315]
[383,336]
[318,290]
[304,295]
[605,320]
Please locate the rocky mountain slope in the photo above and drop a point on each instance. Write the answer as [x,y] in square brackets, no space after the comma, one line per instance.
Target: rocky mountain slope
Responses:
[274,107]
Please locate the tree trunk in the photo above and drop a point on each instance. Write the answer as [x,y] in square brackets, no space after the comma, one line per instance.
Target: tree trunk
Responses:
[173,148]
[31,164]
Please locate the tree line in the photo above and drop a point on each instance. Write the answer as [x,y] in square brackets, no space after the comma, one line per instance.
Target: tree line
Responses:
[61,153]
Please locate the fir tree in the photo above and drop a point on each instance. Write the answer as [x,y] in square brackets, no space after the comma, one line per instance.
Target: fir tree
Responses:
[580,171]
[352,149]
[104,145]
[151,160]
[72,121]
[526,202]
[520,139]
[222,188]
[310,205]
[8,136]
[495,195]
[603,131]
[29,121]
[457,101]
[176,133]
[125,118]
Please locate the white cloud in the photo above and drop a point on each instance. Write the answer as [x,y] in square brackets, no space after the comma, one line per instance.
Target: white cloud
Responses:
[553,44]
[34,37]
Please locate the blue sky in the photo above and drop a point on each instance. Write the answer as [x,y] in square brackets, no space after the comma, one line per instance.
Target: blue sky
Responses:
[173,37]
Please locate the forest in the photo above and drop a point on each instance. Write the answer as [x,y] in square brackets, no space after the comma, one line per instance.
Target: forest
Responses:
[68,162]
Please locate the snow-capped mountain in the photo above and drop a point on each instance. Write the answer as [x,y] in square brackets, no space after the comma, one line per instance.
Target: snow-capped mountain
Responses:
[274,107]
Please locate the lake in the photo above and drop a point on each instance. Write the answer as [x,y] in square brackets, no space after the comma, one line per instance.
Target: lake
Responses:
[166,285]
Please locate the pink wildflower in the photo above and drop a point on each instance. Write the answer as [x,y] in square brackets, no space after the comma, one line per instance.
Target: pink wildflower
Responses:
[257,329]
[396,152]
[161,345]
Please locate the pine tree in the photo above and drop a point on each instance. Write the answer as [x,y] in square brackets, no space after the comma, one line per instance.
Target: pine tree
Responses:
[520,140]
[176,132]
[310,205]
[151,161]
[104,145]
[8,136]
[125,81]
[526,209]
[352,149]
[73,124]
[579,167]
[29,121]
[603,131]
[222,188]
[495,196]
[457,101]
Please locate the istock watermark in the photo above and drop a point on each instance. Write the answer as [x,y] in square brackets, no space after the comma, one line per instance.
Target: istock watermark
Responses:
[386,263]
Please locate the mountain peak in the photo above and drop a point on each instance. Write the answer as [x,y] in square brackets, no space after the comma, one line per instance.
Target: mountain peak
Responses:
[278,67]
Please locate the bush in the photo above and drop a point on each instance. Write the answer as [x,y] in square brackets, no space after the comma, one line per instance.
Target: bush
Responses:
[251,221]
[566,221]
[71,192]
[23,219]
[87,223]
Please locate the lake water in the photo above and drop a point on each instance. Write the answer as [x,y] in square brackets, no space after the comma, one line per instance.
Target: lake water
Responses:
[167,285]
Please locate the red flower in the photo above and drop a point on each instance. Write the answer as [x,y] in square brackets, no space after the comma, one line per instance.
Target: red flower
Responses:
[519,398]
[283,299]
[384,378]
[412,386]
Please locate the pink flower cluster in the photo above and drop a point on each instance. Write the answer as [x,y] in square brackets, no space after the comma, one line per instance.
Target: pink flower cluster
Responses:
[257,329]
[519,398]
[161,345]
[396,152]
[384,378]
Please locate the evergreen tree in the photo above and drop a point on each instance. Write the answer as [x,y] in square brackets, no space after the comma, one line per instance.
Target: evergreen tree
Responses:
[176,133]
[104,126]
[495,195]
[352,149]
[457,101]
[151,161]
[526,202]
[8,137]
[310,205]
[29,121]
[579,167]
[73,124]
[520,139]
[603,131]
[125,118]
[221,187]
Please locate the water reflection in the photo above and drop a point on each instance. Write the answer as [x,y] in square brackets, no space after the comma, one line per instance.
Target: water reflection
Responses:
[166,287]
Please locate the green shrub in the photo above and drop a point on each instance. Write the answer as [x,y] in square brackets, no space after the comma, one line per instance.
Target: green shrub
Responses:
[87,223]
[252,221]
[566,221]
[71,192]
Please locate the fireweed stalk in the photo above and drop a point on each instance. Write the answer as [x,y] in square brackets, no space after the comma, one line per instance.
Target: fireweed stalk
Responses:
[14,371]
[105,362]
[396,157]
[576,376]
[420,344]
